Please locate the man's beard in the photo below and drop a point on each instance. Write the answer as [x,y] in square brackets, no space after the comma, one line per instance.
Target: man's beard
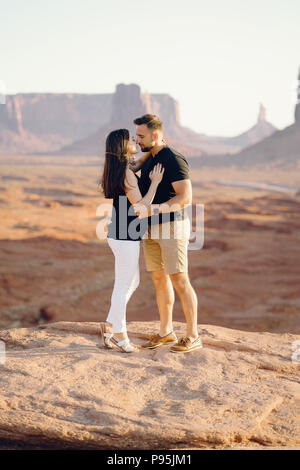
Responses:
[147,149]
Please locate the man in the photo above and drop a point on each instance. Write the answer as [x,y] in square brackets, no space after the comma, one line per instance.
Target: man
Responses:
[167,258]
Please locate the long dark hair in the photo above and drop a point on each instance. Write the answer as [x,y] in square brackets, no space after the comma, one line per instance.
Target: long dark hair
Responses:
[115,164]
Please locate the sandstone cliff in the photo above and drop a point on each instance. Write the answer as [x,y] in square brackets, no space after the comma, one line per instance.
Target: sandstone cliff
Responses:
[281,149]
[77,124]
[43,122]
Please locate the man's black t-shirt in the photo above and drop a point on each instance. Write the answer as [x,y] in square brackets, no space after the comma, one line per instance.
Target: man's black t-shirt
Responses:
[176,169]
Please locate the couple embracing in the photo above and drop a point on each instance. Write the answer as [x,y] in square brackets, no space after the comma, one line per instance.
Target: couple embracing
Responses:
[148,202]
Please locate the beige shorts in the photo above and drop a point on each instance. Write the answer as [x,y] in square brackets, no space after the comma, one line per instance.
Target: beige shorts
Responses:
[167,246]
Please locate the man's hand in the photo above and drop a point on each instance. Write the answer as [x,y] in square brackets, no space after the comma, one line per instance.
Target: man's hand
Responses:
[132,160]
[136,164]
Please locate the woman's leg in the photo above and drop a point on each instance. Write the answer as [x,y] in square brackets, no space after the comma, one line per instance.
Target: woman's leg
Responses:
[127,278]
[135,283]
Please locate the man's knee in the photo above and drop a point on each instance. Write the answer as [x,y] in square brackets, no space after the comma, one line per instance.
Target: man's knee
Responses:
[180,281]
[160,277]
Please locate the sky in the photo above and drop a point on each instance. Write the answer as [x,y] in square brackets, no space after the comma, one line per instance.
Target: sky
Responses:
[219,59]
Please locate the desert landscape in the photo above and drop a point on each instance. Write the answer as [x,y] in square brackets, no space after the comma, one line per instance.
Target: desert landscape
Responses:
[224,81]
[57,277]
[53,266]
[56,282]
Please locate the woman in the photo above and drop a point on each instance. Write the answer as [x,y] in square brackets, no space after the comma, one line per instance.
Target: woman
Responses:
[120,183]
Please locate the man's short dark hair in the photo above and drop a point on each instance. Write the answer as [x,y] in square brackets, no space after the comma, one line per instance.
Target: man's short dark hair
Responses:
[151,120]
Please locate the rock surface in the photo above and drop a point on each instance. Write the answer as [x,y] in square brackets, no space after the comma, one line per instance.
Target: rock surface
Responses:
[60,389]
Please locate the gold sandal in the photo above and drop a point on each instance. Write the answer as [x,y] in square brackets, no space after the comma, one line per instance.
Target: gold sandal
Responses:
[106,332]
[124,345]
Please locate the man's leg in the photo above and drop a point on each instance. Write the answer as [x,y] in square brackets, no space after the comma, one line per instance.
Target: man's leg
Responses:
[189,301]
[165,298]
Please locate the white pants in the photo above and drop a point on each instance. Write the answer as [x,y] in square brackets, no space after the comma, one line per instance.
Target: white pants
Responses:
[127,279]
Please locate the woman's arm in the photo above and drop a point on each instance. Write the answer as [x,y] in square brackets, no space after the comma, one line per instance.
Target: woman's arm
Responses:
[133,192]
